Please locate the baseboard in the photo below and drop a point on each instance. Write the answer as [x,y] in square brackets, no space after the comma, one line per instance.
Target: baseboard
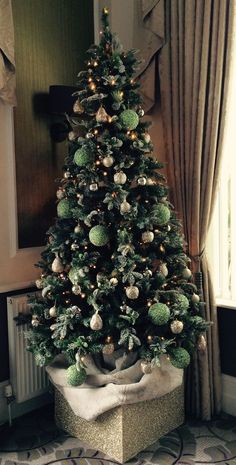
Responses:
[20,409]
[229,394]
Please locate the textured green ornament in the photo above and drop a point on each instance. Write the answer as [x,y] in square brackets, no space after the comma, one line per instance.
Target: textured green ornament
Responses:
[159,314]
[161,214]
[75,377]
[73,274]
[64,208]
[99,235]
[179,357]
[83,156]
[182,302]
[129,119]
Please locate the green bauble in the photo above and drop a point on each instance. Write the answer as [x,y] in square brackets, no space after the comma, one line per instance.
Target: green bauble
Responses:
[129,119]
[64,208]
[159,314]
[73,274]
[182,302]
[161,214]
[75,377]
[179,357]
[99,235]
[83,156]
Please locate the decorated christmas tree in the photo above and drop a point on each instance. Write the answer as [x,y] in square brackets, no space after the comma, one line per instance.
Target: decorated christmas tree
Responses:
[115,274]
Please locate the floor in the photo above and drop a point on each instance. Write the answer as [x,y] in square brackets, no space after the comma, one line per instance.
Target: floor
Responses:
[35,440]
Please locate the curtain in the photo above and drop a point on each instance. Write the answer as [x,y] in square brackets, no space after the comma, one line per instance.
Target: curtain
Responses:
[193,68]
[7,60]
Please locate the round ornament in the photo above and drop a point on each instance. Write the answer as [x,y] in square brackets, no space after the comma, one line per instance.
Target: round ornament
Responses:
[114,281]
[108,349]
[120,178]
[76,289]
[108,161]
[132,292]
[201,344]
[60,194]
[77,229]
[147,236]
[161,214]
[64,208]
[99,235]
[93,187]
[83,156]
[159,314]
[75,377]
[179,357]
[163,269]
[195,298]
[96,322]
[146,367]
[125,207]
[53,311]
[177,327]
[39,283]
[57,265]
[186,273]
[129,119]
[78,108]
[182,302]
[101,115]
[142,181]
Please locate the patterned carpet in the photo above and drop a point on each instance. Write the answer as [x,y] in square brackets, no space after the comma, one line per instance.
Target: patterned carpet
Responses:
[35,440]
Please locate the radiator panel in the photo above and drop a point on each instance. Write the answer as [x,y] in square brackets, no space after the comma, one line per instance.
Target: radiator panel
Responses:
[28,380]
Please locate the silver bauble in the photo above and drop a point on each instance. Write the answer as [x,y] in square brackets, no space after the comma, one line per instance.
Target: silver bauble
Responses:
[146,367]
[142,181]
[195,298]
[77,229]
[186,273]
[177,326]
[114,281]
[93,187]
[57,265]
[96,322]
[147,236]
[125,207]
[120,178]
[76,289]
[132,292]
[53,311]
[108,161]
[163,269]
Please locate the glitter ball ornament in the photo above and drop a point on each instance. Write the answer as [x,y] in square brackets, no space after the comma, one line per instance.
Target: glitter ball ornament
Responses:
[76,289]
[108,161]
[159,314]
[108,349]
[147,236]
[181,302]
[179,357]
[195,298]
[177,327]
[186,273]
[39,283]
[129,119]
[142,181]
[101,115]
[53,311]
[74,274]
[64,208]
[120,178]
[125,207]
[57,265]
[99,235]
[78,108]
[96,322]
[132,292]
[60,194]
[161,214]
[83,156]
[93,187]
[163,269]
[201,343]
[75,377]
[146,367]
[114,281]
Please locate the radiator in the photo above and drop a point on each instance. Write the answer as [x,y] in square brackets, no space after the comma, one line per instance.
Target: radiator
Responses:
[28,380]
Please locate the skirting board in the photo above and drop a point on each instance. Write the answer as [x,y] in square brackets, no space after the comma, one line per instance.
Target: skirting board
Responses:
[229,394]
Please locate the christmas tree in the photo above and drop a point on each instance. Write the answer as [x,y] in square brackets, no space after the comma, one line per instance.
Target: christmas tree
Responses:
[114,271]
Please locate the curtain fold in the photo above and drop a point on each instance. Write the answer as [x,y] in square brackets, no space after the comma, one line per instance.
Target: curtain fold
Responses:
[194,65]
[7,60]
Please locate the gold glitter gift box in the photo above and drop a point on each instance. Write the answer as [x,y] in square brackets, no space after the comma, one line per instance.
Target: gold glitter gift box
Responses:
[125,430]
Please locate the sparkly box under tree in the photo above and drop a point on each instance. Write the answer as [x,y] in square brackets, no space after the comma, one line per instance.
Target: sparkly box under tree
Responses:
[125,430]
